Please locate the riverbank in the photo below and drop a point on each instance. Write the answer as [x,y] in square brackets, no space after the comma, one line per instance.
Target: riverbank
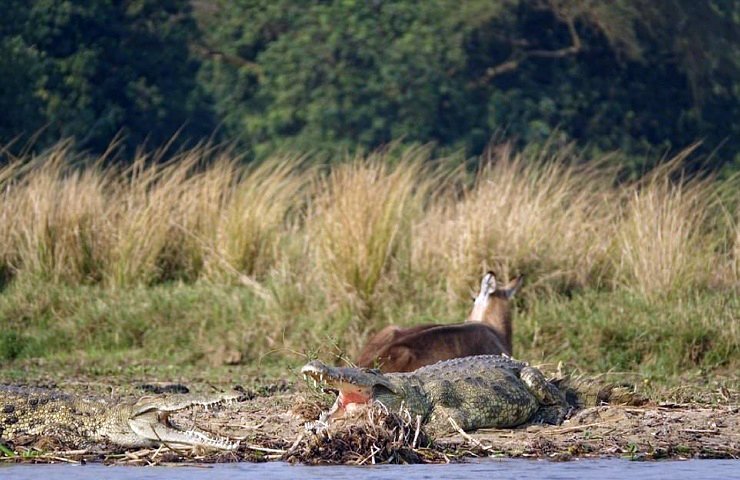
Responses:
[209,272]
[270,421]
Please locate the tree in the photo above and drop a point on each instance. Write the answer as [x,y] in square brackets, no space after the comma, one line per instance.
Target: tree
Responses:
[98,68]
[305,78]
[21,65]
[357,74]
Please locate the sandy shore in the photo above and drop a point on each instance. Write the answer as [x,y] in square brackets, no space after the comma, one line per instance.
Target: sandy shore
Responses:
[271,426]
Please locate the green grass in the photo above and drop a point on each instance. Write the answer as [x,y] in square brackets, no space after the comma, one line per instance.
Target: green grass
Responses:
[175,321]
[620,331]
[181,327]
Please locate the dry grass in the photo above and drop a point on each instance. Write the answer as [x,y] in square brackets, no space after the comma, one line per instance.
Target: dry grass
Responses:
[348,248]
[148,223]
[245,213]
[359,225]
[735,265]
[666,239]
[52,218]
[365,224]
[542,218]
[731,213]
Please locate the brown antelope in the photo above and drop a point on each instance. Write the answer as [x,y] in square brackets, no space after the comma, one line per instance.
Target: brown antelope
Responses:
[486,331]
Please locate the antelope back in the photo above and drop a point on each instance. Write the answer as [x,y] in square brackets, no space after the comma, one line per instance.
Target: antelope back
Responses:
[486,331]
[436,343]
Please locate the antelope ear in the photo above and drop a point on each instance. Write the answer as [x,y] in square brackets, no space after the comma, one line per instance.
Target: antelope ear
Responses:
[511,288]
[488,282]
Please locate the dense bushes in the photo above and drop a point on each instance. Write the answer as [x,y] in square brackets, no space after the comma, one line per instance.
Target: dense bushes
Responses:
[95,69]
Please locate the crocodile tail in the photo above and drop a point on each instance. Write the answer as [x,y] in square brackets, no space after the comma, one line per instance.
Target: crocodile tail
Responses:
[588,392]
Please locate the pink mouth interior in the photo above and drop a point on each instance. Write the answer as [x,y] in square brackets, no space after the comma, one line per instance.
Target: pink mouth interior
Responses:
[346,398]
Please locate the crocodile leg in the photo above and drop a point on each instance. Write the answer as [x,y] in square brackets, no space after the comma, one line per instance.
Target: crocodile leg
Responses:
[554,407]
[475,402]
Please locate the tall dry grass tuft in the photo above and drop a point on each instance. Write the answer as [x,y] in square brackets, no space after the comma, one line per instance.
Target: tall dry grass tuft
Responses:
[359,224]
[146,244]
[53,216]
[730,207]
[665,240]
[541,217]
[192,217]
[369,231]
[9,261]
[735,258]
[254,215]
[202,217]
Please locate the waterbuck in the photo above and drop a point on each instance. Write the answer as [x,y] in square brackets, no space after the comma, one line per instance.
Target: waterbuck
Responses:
[487,330]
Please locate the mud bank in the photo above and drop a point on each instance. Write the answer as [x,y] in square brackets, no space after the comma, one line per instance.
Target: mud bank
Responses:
[271,426]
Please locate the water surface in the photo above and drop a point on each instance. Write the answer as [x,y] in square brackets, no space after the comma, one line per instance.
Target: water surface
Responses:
[601,469]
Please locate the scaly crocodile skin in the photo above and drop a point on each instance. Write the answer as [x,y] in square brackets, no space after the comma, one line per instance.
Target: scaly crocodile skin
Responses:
[476,392]
[33,412]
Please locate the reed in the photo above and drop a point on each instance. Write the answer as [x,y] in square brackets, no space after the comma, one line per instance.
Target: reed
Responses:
[358,227]
[538,216]
[53,218]
[662,242]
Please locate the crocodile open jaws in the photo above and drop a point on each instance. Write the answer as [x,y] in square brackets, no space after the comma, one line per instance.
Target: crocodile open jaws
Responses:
[30,413]
[469,393]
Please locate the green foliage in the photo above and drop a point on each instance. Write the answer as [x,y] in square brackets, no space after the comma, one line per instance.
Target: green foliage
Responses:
[5,451]
[637,76]
[377,75]
[179,322]
[600,331]
[95,69]
[610,75]
[11,344]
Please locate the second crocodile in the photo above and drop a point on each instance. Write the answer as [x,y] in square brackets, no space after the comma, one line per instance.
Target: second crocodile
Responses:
[469,393]
[32,413]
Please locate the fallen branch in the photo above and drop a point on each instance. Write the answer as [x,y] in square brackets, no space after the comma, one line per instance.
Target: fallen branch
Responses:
[266,450]
[487,448]
[575,428]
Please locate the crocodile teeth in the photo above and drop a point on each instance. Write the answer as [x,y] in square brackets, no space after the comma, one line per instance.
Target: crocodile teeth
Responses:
[220,443]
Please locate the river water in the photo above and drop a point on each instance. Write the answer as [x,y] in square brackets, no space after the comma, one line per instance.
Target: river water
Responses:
[601,469]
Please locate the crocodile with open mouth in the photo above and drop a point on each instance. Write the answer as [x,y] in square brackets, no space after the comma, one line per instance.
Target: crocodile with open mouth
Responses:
[34,413]
[474,392]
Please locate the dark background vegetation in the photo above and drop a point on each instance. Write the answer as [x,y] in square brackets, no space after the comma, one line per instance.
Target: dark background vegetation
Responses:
[271,261]
[644,77]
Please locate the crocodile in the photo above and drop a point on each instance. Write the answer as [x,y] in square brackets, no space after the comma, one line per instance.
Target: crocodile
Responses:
[494,391]
[34,413]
